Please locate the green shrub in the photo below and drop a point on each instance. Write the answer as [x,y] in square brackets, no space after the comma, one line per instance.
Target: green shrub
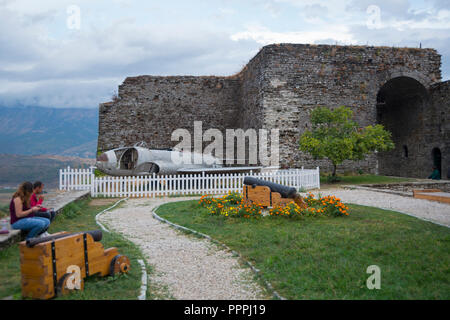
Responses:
[98,173]
[333,178]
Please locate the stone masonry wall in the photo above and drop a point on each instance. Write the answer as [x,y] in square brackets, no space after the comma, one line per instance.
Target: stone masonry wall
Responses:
[277,90]
[150,108]
[440,122]
[251,95]
[299,78]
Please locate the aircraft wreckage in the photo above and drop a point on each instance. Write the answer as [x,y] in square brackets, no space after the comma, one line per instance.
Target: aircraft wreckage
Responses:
[139,160]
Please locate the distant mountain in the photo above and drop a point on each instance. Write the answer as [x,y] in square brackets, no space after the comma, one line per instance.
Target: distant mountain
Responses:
[15,169]
[57,131]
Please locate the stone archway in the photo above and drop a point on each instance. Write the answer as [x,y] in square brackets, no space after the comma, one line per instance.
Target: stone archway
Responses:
[402,104]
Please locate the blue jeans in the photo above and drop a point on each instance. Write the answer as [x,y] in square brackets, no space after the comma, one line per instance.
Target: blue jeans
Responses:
[34,226]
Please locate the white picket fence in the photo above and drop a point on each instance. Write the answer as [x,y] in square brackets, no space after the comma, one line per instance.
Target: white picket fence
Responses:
[76,179]
[187,184]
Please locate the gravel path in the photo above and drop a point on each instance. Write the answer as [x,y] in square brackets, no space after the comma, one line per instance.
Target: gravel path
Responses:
[185,267]
[424,209]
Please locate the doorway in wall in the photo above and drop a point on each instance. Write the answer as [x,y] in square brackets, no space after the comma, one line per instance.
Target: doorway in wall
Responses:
[437,159]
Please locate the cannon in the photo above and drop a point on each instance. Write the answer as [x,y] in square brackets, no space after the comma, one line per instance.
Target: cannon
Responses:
[270,194]
[57,264]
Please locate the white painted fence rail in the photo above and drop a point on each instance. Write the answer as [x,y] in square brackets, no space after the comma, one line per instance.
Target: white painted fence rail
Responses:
[76,179]
[187,184]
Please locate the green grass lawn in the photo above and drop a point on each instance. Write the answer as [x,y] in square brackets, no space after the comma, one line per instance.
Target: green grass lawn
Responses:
[80,216]
[327,258]
[363,179]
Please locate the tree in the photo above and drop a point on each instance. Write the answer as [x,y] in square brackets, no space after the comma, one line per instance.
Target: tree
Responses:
[334,135]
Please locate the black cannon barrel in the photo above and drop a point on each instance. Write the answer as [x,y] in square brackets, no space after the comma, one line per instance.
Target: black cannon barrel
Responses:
[286,192]
[96,235]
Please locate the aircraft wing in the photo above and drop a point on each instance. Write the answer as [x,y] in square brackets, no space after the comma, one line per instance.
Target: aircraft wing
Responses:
[218,170]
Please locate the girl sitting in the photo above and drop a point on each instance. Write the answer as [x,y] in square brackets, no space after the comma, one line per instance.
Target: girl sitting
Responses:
[22,215]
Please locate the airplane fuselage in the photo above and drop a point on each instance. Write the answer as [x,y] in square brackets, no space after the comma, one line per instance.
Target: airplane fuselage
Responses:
[139,161]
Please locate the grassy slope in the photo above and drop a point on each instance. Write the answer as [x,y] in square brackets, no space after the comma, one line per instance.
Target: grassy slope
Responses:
[15,169]
[77,217]
[35,130]
[327,258]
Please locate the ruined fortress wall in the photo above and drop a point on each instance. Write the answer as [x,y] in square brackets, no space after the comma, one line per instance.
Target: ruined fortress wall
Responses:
[418,121]
[439,137]
[150,108]
[299,78]
[251,94]
[279,87]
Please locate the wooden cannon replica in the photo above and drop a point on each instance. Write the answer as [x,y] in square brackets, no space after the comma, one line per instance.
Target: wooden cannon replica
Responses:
[58,264]
[270,194]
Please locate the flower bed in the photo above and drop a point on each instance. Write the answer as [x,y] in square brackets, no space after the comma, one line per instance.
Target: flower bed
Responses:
[321,206]
[232,205]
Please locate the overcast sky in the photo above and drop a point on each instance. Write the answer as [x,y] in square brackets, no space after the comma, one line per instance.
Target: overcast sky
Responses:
[49,57]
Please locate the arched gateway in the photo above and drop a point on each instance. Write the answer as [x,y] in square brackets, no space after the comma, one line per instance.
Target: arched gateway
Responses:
[402,107]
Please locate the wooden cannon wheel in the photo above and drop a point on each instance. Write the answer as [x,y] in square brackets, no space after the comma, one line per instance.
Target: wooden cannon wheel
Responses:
[66,284]
[119,264]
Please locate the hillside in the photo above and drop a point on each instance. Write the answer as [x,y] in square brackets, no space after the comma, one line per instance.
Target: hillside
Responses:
[57,131]
[15,169]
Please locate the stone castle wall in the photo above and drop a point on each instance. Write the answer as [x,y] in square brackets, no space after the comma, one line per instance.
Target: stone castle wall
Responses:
[150,108]
[278,89]
[440,119]
[299,78]
[252,78]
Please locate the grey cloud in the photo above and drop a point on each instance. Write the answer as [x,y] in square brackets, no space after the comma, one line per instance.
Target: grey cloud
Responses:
[78,70]
[62,93]
[440,4]
[273,8]
[314,10]
[85,68]
[396,7]
[18,42]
